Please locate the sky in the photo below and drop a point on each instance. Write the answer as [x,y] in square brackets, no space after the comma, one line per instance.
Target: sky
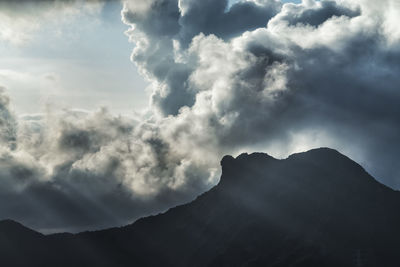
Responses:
[72,59]
[114,110]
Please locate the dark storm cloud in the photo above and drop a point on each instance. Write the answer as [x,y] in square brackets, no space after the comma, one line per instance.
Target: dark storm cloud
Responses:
[356,93]
[157,18]
[162,21]
[318,14]
[274,83]
[214,17]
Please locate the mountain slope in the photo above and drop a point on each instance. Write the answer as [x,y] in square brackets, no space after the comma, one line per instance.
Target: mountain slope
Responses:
[18,243]
[316,208]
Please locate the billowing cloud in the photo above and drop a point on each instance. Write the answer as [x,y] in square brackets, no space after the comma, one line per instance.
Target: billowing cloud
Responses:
[315,73]
[259,75]
[7,121]
[162,28]
[77,170]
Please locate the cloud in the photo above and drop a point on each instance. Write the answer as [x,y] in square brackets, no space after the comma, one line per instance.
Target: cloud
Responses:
[23,20]
[162,28]
[7,121]
[214,17]
[256,76]
[315,13]
[310,66]
[80,170]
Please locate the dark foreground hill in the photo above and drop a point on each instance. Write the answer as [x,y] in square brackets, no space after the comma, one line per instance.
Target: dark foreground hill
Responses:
[317,208]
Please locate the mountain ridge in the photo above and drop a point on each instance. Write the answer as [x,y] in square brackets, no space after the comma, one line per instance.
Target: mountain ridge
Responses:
[316,208]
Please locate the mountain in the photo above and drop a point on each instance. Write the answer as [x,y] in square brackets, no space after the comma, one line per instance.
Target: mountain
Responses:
[317,208]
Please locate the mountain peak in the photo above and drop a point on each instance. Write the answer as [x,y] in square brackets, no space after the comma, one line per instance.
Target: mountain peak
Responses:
[317,152]
[9,223]
[9,226]
[232,166]
[228,159]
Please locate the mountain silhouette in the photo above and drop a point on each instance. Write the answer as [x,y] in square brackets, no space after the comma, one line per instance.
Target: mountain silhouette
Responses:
[316,208]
